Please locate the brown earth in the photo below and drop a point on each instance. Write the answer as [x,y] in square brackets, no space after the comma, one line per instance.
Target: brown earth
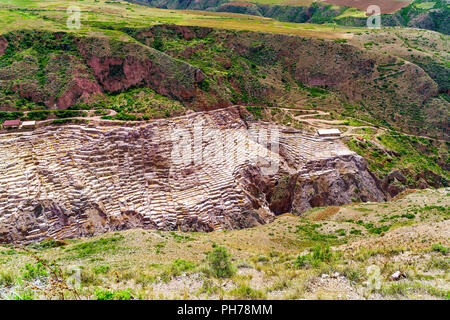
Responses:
[386,6]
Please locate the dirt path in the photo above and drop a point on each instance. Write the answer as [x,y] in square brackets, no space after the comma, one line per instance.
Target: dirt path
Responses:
[318,123]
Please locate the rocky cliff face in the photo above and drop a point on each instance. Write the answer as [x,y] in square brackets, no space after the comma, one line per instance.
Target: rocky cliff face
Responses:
[74,181]
[119,66]
[336,181]
[60,70]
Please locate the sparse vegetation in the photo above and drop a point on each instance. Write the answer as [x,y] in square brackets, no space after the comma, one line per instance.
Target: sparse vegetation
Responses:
[219,262]
[314,261]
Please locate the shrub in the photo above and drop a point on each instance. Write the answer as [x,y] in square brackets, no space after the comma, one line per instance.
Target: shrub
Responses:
[378,230]
[62,121]
[103,294]
[319,254]
[34,271]
[439,248]
[180,265]
[6,278]
[47,244]
[255,111]
[101,269]
[219,263]
[408,215]
[92,247]
[125,117]
[27,295]
[38,115]
[69,113]
[244,292]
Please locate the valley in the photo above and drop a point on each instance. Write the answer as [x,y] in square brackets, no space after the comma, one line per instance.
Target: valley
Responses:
[181,150]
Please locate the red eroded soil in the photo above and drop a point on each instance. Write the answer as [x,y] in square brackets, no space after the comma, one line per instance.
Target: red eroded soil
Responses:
[386,6]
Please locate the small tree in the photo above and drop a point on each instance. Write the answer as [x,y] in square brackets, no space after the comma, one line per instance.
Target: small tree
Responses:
[219,263]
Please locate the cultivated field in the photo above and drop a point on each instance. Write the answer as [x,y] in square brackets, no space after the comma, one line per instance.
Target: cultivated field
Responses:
[51,15]
[386,6]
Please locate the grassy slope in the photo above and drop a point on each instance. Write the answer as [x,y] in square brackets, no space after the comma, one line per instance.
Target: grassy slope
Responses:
[419,13]
[428,49]
[390,101]
[152,264]
[387,6]
[51,15]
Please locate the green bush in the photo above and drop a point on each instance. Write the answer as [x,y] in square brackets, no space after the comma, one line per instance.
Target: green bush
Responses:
[323,254]
[319,254]
[302,261]
[125,117]
[179,266]
[104,294]
[219,263]
[38,115]
[34,271]
[101,269]
[63,121]
[244,292]
[255,111]
[439,248]
[47,244]
[69,113]
[378,230]
[92,247]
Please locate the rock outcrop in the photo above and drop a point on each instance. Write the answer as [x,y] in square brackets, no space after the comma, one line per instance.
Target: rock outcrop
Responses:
[201,172]
[59,70]
[119,66]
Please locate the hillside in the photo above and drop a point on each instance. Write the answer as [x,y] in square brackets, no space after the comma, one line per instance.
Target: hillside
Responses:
[416,14]
[279,71]
[111,70]
[287,259]
[175,149]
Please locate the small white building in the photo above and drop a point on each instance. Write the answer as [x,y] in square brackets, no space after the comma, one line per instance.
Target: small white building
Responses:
[329,133]
[28,124]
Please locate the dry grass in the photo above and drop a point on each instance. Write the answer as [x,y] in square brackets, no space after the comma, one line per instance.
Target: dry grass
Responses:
[143,260]
[323,214]
[403,194]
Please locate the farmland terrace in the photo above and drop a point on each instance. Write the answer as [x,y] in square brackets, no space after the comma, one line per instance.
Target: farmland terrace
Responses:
[81,180]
